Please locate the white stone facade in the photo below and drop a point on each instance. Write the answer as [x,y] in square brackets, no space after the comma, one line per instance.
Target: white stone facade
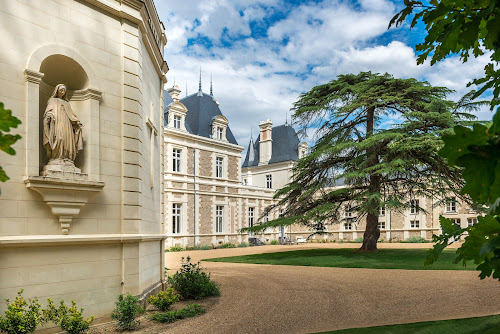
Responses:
[110,56]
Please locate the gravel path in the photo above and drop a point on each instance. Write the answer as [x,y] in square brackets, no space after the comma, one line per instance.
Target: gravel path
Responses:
[293,299]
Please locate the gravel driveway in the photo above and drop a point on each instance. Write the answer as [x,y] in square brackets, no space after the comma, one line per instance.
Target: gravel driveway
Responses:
[292,299]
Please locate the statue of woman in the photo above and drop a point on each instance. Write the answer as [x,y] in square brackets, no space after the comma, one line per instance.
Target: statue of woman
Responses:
[62,131]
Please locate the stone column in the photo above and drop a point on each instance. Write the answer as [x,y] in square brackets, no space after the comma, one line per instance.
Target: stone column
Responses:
[92,98]
[32,136]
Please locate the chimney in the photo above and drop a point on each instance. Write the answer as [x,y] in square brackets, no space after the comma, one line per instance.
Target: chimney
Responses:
[266,142]
[174,93]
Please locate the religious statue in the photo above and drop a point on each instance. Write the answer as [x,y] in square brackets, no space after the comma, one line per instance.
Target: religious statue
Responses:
[62,131]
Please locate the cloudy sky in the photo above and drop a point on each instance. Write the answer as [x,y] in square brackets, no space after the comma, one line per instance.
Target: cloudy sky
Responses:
[262,54]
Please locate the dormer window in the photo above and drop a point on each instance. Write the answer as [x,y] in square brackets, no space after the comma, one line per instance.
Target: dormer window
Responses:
[177,121]
[219,127]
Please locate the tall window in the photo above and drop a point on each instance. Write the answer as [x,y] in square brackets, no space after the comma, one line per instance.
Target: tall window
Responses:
[451,205]
[177,122]
[219,214]
[347,226]
[176,218]
[414,223]
[381,225]
[414,206]
[348,211]
[218,166]
[471,221]
[251,218]
[382,211]
[176,154]
[219,133]
[269,181]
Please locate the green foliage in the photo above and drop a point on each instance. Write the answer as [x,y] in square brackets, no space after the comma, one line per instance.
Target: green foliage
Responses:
[415,240]
[164,299]
[358,240]
[460,27]
[22,316]
[227,245]
[126,311]
[191,282]
[70,319]
[380,166]
[189,311]
[176,248]
[275,242]
[7,121]
[243,244]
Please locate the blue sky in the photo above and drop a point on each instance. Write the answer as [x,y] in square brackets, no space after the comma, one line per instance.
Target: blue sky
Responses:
[263,53]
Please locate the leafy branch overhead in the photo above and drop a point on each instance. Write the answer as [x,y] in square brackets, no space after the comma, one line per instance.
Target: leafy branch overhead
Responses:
[361,163]
[7,121]
[459,27]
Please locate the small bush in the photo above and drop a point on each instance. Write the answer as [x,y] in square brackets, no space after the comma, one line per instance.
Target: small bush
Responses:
[415,240]
[227,245]
[275,242]
[164,299]
[204,247]
[243,244]
[341,241]
[69,319]
[127,309]
[358,240]
[191,282]
[176,248]
[22,316]
[190,311]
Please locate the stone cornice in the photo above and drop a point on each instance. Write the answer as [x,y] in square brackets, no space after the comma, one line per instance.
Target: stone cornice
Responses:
[33,76]
[36,240]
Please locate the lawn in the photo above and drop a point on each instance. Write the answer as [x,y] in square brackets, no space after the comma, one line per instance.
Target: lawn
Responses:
[411,259]
[483,325]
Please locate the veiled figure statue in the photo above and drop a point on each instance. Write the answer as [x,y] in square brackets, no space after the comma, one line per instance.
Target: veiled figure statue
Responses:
[62,131]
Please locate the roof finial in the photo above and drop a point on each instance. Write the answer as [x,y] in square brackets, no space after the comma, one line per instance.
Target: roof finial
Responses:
[174,81]
[286,118]
[251,134]
[200,93]
[211,90]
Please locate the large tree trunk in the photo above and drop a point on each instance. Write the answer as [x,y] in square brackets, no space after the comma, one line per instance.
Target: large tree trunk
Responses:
[372,232]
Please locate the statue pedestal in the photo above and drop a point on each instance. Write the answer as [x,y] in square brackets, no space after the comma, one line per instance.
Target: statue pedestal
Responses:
[65,192]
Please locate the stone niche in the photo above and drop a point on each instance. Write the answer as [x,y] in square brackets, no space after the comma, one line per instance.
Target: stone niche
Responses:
[65,187]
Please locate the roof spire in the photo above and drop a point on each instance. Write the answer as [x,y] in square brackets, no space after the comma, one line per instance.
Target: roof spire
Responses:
[286,118]
[211,90]
[200,93]
[174,81]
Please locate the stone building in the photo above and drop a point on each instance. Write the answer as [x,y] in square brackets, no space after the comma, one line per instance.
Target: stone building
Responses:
[90,228]
[208,196]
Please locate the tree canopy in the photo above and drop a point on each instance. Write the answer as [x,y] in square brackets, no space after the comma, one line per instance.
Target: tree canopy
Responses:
[460,27]
[377,165]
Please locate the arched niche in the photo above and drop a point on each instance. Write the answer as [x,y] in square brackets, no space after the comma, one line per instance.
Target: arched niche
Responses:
[48,66]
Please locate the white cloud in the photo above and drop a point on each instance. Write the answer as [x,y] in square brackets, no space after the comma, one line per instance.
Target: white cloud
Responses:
[259,78]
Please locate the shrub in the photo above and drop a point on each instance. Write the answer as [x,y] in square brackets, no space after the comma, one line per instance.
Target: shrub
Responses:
[176,248]
[127,309]
[341,241]
[22,316]
[164,299]
[204,247]
[193,283]
[243,244]
[227,245]
[358,240]
[69,319]
[415,240]
[275,242]
[189,311]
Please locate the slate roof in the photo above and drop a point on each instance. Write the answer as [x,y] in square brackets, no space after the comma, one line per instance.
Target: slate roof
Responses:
[201,110]
[285,147]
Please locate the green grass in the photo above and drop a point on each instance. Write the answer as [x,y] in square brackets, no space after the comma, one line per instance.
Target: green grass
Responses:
[483,325]
[411,259]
